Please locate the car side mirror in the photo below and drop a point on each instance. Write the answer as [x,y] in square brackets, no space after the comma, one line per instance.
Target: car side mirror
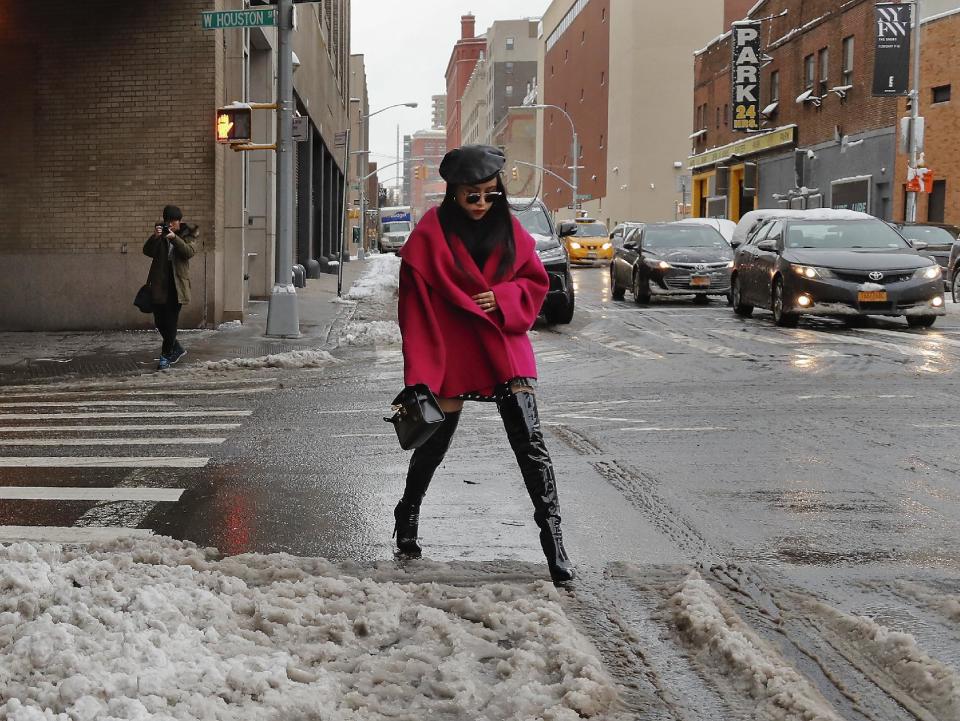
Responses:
[630,245]
[735,244]
[769,245]
[566,228]
[920,244]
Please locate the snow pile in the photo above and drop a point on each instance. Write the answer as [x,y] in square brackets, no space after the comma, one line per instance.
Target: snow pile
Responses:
[289,360]
[230,325]
[713,628]
[380,281]
[158,629]
[918,677]
[377,332]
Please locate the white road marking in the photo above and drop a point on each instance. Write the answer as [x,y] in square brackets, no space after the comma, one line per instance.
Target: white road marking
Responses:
[796,344]
[826,396]
[50,493]
[925,337]
[118,414]
[71,404]
[349,410]
[599,418]
[100,429]
[936,425]
[111,441]
[883,345]
[168,383]
[101,462]
[67,534]
[707,347]
[651,429]
[363,435]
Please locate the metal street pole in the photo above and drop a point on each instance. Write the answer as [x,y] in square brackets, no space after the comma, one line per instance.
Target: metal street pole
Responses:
[363,219]
[911,210]
[576,145]
[576,164]
[282,317]
[343,210]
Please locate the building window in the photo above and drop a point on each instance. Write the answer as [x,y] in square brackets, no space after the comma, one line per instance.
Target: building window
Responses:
[847,77]
[936,205]
[551,71]
[726,114]
[510,42]
[581,95]
[809,68]
[718,117]
[603,15]
[583,36]
[603,78]
[566,55]
[601,141]
[509,91]
[508,67]
[941,94]
[824,61]
[775,86]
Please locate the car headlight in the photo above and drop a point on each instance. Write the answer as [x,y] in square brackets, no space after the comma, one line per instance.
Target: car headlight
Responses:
[811,272]
[931,272]
[575,245]
[552,254]
[730,264]
[606,246]
[659,264]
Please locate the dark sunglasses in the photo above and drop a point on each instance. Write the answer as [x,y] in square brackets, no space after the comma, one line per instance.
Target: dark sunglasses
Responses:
[489,197]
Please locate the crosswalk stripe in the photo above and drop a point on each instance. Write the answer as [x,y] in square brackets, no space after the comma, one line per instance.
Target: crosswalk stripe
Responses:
[53,493]
[102,462]
[658,429]
[73,404]
[68,534]
[163,385]
[111,441]
[101,429]
[119,414]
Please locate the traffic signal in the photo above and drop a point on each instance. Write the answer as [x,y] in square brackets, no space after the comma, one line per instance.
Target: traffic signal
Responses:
[420,172]
[515,174]
[234,124]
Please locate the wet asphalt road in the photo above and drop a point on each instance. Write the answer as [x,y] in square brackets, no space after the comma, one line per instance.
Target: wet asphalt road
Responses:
[800,472]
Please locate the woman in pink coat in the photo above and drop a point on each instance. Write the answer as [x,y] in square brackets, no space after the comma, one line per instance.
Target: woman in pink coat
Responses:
[471,286]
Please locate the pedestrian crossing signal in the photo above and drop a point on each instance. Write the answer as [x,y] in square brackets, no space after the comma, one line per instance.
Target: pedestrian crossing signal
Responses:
[234,124]
[514,173]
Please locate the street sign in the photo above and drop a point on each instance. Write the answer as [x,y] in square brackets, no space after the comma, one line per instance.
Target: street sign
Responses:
[221,19]
[301,128]
[584,196]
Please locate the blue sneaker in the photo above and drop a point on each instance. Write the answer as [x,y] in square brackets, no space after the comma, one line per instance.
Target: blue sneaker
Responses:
[176,354]
[164,363]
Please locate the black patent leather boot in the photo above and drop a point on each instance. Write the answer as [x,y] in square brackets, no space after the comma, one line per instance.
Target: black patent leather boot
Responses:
[424,462]
[522,423]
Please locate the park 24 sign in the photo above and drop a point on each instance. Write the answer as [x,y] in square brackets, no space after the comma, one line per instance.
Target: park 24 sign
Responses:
[746,75]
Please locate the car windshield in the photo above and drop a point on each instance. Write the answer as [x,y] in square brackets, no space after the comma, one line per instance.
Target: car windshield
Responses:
[927,233]
[683,236]
[534,220]
[401,227]
[591,230]
[844,234]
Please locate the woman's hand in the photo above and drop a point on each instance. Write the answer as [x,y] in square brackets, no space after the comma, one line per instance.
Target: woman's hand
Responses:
[487,301]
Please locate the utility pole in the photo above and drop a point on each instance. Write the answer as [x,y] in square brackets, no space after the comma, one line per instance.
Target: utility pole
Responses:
[576,166]
[283,320]
[911,210]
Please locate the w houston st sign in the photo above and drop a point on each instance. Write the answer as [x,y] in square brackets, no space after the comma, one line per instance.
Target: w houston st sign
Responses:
[218,20]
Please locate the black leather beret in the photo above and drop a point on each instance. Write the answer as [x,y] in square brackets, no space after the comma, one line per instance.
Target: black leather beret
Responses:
[471,164]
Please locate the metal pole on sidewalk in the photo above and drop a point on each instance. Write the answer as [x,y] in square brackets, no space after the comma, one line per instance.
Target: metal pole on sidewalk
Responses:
[911,210]
[283,320]
[343,214]
[363,220]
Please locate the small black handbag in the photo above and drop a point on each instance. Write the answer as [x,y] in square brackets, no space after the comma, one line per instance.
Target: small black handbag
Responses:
[416,416]
[144,299]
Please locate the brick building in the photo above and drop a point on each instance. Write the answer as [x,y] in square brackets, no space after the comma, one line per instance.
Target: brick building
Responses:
[463,58]
[825,140]
[108,117]
[939,72]
[427,192]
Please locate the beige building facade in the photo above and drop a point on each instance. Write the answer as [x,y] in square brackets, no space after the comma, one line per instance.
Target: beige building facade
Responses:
[622,70]
[127,127]
[474,107]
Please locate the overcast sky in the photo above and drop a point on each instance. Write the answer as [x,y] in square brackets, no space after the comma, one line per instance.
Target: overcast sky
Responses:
[406,47]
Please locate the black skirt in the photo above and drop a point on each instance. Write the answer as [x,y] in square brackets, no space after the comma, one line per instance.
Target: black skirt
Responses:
[501,391]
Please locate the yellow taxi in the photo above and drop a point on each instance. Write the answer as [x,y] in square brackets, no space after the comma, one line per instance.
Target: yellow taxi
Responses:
[591,244]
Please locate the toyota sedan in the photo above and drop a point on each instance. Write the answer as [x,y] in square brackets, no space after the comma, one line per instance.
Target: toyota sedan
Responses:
[843,268]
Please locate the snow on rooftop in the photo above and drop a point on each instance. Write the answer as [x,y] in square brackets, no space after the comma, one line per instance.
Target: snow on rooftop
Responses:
[160,629]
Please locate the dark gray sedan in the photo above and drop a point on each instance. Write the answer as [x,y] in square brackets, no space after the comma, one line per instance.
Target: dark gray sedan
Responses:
[669,259]
[844,268]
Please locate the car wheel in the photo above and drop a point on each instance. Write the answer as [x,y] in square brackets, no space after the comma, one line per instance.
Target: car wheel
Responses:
[701,299]
[955,286]
[781,317]
[641,296]
[616,292]
[736,300]
[921,321]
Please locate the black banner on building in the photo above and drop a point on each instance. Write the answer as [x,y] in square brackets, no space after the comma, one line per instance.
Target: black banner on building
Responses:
[891,65]
[745,70]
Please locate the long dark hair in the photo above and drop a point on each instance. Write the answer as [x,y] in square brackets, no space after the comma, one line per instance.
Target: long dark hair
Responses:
[495,229]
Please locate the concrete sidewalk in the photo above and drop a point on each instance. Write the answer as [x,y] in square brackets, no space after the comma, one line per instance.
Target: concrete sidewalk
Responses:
[33,356]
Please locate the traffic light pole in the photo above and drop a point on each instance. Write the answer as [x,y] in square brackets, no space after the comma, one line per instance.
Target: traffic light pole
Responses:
[283,320]
[910,215]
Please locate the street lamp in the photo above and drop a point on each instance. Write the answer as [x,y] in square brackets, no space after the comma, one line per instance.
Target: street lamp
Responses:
[573,131]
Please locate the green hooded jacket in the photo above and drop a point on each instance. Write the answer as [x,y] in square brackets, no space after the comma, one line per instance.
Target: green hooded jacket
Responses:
[157,248]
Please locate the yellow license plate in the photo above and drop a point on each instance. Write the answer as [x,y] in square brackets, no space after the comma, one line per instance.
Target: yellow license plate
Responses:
[872,296]
[699,281]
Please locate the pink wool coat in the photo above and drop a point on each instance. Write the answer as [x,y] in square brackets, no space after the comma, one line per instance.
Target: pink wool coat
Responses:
[449,343]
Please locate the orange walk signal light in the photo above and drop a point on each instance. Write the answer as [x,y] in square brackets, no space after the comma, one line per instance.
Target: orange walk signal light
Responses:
[234,125]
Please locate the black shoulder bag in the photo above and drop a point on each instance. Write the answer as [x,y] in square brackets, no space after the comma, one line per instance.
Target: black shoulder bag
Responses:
[144,299]
[416,416]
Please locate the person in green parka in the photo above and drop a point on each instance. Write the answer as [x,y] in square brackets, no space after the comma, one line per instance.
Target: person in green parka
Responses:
[171,246]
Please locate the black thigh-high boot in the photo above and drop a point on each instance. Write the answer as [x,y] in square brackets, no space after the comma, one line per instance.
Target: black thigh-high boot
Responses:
[423,464]
[522,423]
